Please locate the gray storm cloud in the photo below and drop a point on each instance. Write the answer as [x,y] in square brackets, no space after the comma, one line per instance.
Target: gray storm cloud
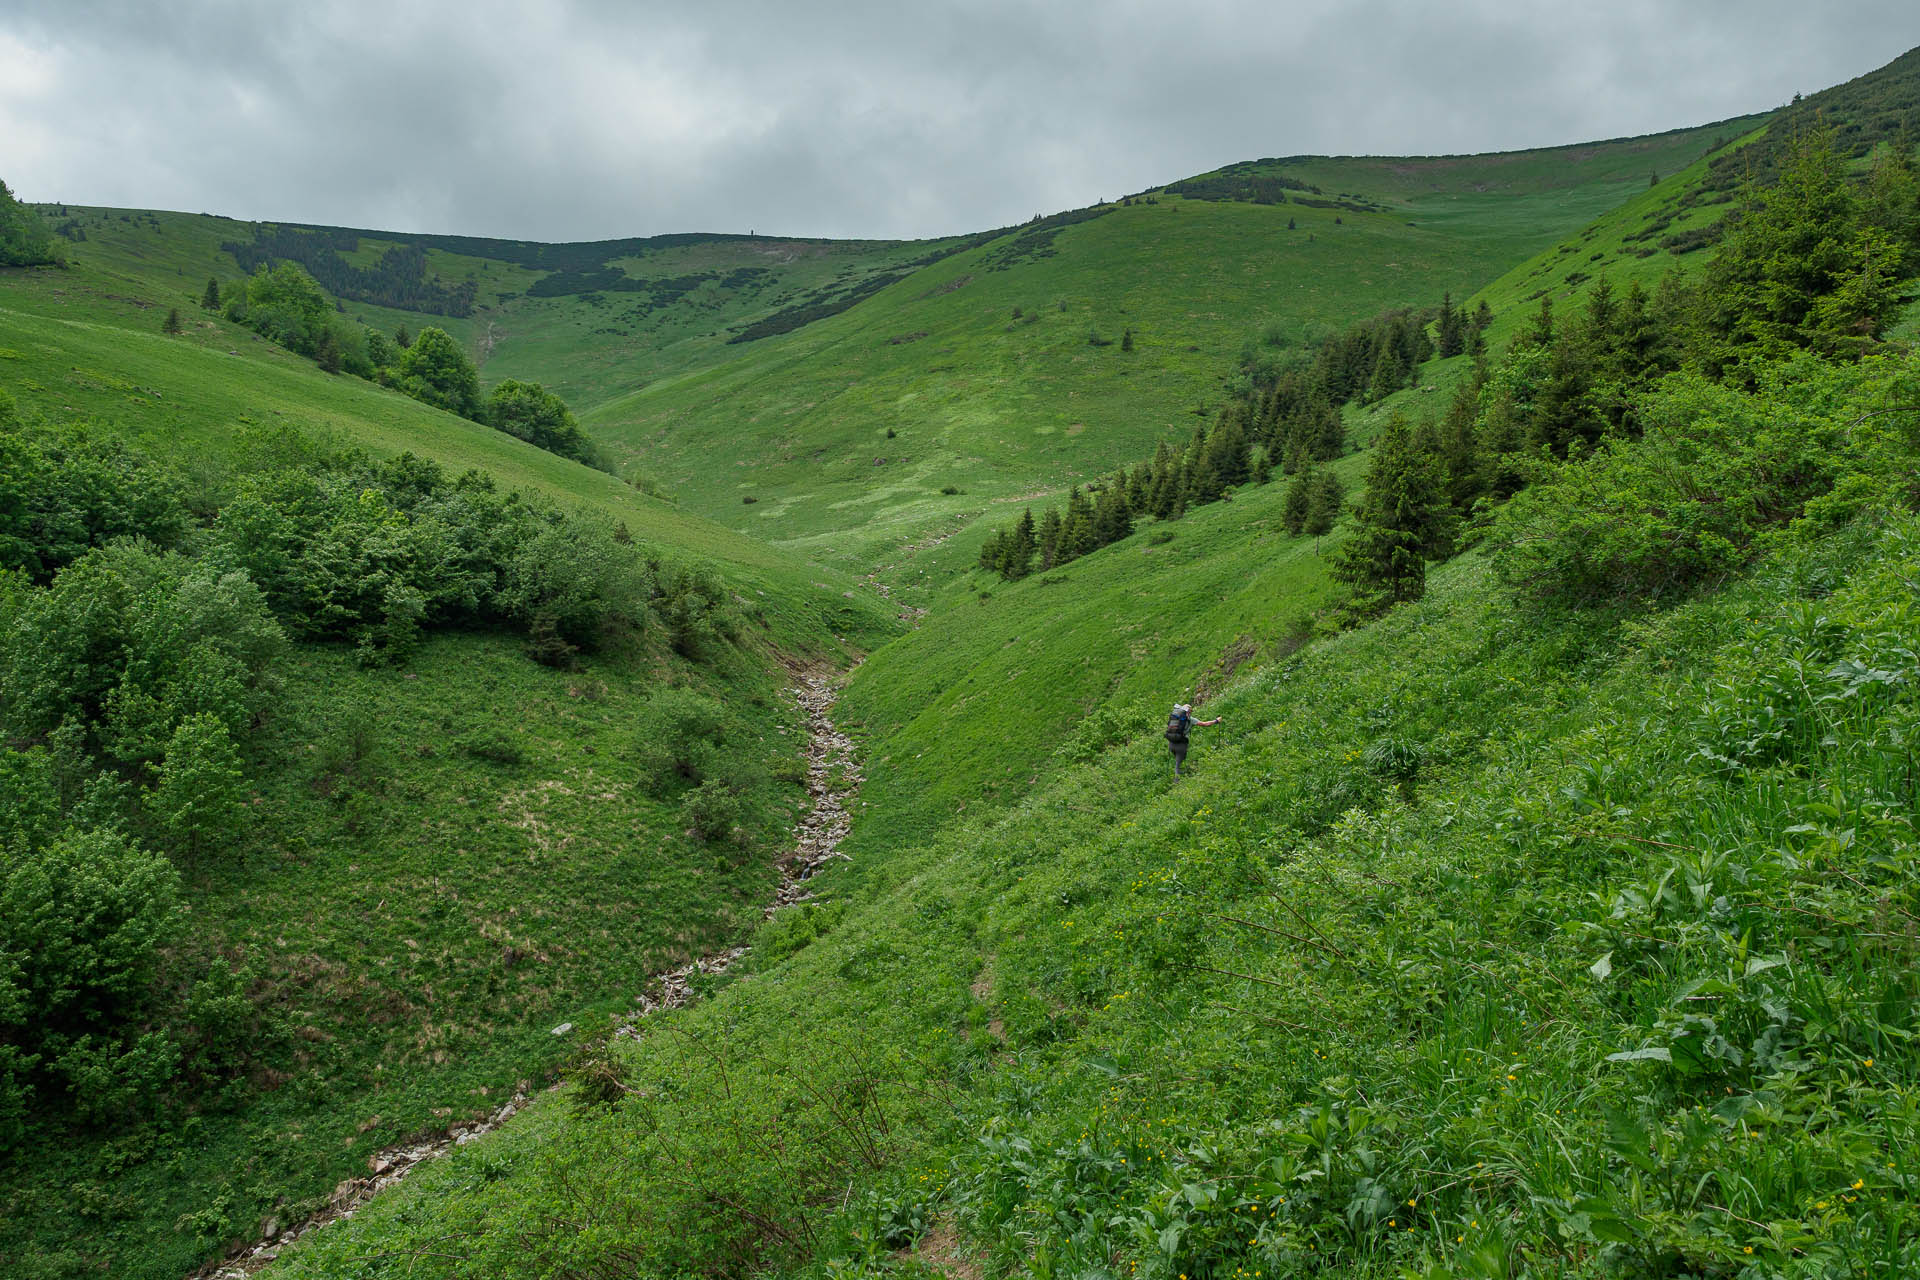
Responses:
[583,120]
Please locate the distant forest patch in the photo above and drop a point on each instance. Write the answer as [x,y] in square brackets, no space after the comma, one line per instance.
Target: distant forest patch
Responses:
[399,279]
[1245,183]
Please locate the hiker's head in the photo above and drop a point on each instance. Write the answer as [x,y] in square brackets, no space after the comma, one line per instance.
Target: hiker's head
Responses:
[1181,709]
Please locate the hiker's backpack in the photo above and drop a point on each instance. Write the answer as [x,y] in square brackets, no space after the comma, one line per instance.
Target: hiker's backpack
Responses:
[1177,725]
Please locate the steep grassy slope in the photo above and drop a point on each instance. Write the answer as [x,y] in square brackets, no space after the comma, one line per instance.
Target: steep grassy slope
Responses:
[1614,977]
[444,861]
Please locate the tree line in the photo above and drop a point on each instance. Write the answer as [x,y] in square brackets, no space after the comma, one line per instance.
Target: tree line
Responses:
[1811,270]
[24,238]
[1290,417]
[398,278]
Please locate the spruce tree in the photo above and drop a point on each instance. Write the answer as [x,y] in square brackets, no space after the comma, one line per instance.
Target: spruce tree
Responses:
[1293,508]
[1460,456]
[172,323]
[1049,539]
[1329,438]
[1229,456]
[1324,497]
[992,549]
[210,300]
[1016,555]
[1452,329]
[1076,528]
[1402,522]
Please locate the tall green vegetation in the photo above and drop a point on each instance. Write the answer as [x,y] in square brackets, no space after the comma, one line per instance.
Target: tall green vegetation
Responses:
[1813,266]
[138,645]
[285,304]
[24,238]
[1213,463]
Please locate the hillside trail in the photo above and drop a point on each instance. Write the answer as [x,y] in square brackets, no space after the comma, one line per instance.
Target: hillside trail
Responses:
[832,778]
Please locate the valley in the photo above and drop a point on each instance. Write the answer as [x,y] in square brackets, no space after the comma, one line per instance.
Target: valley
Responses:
[1542,904]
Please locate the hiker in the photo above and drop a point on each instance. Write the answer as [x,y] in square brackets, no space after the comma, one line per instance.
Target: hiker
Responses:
[1178,725]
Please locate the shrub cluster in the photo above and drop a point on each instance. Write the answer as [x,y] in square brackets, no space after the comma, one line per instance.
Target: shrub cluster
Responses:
[137,646]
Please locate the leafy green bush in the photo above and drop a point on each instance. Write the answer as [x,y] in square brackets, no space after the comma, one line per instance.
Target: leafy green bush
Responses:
[1717,471]
[435,370]
[541,418]
[576,587]
[81,923]
[683,739]
[496,746]
[65,491]
[714,812]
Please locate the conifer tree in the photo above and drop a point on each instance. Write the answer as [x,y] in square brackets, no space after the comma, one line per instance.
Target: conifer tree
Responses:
[1076,528]
[1324,497]
[1329,438]
[1293,507]
[1229,456]
[1539,333]
[1163,491]
[1460,455]
[1112,517]
[1016,553]
[1452,329]
[1049,539]
[1402,522]
[210,300]
[992,550]
[172,323]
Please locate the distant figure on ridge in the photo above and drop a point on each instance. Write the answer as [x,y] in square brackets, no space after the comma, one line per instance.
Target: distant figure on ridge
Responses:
[1178,725]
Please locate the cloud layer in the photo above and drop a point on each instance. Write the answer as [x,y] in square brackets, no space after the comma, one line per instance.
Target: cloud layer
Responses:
[595,118]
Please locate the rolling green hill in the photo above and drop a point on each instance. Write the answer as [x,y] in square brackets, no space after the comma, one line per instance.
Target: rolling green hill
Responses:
[653,341]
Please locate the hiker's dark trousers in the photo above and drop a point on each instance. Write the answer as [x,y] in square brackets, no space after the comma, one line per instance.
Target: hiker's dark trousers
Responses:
[1179,749]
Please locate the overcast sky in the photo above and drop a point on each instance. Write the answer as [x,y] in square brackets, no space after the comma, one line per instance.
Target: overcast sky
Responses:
[590,119]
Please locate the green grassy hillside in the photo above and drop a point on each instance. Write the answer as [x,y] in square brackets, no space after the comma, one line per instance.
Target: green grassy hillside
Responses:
[649,339]
[1613,978]
[440,860]
[997,404]
[85,343]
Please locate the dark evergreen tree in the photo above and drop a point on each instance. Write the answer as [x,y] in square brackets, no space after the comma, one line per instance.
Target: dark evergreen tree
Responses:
[1299,495]
[1460,456]
[1229,456]
[1452,329]
[172,323]
[1016,553]
[210,300]
[1049,539]
[1801,269]
[1324,497]
[1402,522]
[1076,527]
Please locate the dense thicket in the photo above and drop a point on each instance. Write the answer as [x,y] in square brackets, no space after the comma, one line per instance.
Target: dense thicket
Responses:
[24,238]
[1639,492]
[138,638]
